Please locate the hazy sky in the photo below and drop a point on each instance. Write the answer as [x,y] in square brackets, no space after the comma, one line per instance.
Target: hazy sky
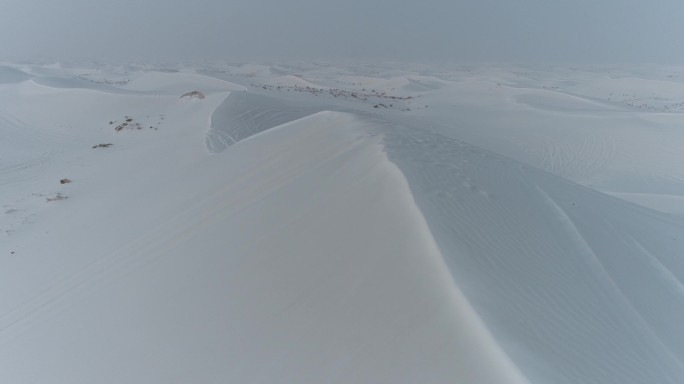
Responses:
[471,30]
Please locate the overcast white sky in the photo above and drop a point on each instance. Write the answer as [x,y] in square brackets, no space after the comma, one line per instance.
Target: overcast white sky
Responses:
[620,31]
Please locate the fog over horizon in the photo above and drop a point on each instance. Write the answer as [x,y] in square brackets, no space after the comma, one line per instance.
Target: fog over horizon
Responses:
[527,31]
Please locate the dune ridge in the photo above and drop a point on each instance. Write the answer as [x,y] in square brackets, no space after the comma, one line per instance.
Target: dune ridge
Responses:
[266,234]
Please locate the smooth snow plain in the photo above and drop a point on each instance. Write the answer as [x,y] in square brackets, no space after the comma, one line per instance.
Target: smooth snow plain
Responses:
[317,223]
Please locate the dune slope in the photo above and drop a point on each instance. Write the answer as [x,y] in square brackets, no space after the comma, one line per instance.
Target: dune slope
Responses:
[433,227]
[297,256]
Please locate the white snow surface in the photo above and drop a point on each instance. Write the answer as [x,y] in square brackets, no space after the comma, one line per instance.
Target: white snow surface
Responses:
[308,223]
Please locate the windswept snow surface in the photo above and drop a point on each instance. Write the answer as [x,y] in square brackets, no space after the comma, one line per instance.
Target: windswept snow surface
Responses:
[365,224]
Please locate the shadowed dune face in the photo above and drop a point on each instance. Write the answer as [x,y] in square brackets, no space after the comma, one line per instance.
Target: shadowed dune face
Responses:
[244,114]
[10,75]
[527,246]
[422,84]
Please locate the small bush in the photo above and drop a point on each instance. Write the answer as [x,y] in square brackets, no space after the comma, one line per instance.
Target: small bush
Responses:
[57,197]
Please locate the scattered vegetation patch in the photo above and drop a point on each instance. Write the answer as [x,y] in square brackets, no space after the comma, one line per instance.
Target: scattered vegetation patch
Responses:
[56,197]
[193,95]
[378,98]
[130,123]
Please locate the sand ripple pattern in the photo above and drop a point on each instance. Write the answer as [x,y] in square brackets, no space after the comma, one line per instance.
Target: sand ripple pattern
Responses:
[573,292]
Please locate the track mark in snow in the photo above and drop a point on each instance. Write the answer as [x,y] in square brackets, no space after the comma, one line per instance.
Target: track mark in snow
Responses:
[18,138]
[152,245]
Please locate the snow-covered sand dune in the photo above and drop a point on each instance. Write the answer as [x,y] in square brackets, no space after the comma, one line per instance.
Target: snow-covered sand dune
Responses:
[603,143]
[244,114]
[574,283]
[343,231]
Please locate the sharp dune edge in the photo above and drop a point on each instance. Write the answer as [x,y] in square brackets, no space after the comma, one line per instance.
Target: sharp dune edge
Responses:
[329,226]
